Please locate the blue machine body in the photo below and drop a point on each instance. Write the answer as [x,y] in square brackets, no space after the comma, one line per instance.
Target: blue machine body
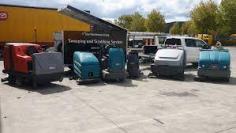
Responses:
[116,61]
[214,63]
[86,66]
[116,65]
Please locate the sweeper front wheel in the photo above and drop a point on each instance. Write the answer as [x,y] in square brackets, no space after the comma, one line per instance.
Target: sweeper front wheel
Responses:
[227,79]
[12,79]
[34,83]
[181,77]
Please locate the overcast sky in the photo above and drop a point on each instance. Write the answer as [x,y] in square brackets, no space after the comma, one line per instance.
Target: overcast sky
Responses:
[173,10]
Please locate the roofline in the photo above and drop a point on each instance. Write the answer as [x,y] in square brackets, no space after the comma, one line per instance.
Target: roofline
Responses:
[184,37]
[175,36]
[25,6]
[97,18]
[134,33]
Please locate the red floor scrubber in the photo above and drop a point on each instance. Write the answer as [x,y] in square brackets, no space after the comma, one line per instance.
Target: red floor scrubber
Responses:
[26,62]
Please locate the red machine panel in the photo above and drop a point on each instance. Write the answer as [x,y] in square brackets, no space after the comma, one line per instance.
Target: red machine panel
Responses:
[17,56]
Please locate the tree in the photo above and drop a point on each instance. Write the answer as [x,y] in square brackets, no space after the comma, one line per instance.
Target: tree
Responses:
[124,21]
[155,21]
[176,29]
[227,17]
[185,27]
[188,28]
[204,17]
[137,23]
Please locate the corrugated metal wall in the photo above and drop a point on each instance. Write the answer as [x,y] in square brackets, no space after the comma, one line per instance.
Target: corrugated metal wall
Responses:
[30,24]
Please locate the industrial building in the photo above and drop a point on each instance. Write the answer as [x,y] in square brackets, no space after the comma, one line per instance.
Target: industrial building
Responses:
[39,24]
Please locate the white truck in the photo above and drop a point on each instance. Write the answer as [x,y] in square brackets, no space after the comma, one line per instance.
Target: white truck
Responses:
[191,46]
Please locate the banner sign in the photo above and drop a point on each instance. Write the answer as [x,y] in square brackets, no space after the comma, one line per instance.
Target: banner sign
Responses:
[90,42]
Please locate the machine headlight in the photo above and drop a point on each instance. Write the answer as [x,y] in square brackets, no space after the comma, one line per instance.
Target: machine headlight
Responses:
[203,66]
[224,67]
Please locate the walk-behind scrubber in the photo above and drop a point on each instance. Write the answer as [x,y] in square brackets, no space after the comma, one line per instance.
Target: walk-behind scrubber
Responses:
[169,62]
[214,64]
[86,67]
[133,64]
[26,62]
[115,70]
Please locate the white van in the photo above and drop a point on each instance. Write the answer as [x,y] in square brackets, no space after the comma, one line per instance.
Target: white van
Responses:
[191,45]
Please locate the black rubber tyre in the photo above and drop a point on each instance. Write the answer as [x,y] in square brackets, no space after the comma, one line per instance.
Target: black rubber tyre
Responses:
[200,79]
[195,65]
[71,68]
[34,83]
[158,76]
[227,79]
[181,77]
[12,79]
[121,80]
[153,75]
